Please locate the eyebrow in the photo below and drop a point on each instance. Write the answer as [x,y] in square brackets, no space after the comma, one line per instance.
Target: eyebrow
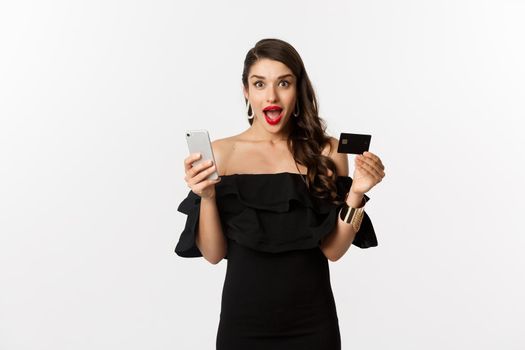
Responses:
[261,77]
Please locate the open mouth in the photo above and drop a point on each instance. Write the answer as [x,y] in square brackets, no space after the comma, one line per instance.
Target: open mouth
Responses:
[273,116]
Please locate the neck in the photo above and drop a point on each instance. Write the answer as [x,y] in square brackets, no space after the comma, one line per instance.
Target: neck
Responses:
[258,133]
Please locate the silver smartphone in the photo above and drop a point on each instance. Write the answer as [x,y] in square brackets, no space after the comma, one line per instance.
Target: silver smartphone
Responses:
[199,142]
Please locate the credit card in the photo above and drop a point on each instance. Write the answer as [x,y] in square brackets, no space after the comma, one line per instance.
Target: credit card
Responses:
[353,143]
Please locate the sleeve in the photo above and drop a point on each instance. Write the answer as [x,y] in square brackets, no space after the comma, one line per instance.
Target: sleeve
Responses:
[366,236]
[186,246]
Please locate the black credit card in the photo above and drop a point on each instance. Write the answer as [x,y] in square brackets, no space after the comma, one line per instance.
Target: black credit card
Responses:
[353,143]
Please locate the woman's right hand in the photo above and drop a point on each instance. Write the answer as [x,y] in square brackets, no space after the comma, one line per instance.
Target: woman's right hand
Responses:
[196,176]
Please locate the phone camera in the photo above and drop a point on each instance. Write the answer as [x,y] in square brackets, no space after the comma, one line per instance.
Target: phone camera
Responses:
[187,134]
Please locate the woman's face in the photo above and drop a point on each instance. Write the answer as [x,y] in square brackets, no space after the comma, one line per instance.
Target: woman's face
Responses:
[271,84]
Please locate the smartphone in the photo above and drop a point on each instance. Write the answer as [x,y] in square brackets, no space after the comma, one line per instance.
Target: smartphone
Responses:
[353,143]
[199,142]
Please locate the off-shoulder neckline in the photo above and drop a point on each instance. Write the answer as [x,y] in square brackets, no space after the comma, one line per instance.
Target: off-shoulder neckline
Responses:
[262,174]
[272,174]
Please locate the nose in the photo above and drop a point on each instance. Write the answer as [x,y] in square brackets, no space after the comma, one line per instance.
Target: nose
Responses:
[271,96]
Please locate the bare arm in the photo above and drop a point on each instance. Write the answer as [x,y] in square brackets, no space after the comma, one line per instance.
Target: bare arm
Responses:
[209,237]
[337,243]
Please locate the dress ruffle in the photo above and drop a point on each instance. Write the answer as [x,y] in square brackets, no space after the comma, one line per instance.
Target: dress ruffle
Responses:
[270,213]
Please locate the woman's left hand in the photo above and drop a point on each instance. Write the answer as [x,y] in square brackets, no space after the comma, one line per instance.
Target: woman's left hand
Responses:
[369,171]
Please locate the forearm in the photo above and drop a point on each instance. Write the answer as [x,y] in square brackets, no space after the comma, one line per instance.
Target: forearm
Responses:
[210,239]
[337,243]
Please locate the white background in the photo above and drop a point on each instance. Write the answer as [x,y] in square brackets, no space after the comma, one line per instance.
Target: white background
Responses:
[94,99]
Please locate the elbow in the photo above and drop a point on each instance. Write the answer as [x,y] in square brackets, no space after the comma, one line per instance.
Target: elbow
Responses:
[212,254]
[215,258]
[214,261]
[329,255]
[333,258]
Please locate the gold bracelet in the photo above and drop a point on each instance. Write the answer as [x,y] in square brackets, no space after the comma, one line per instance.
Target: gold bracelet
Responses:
[353,216]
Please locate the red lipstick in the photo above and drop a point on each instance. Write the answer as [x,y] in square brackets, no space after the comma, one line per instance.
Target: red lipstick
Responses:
[275,120]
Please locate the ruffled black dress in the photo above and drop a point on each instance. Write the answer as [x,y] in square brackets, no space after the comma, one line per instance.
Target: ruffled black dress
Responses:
[277,292]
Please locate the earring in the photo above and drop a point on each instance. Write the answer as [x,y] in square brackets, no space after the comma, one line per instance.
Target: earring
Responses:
[250,116]
[296,114]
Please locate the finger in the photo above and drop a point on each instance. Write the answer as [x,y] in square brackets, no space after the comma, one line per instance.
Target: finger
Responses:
[190,159]
[375,158]
[203,185]
[368,169]
[194,171]
[374,163]
[370,173]
[212,182]
[371,155]
[203,175]
[370,166]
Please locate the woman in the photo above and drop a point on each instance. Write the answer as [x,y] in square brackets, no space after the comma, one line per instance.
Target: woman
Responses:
[281,209]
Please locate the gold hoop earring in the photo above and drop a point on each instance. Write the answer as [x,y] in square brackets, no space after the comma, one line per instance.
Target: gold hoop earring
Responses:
[250,116]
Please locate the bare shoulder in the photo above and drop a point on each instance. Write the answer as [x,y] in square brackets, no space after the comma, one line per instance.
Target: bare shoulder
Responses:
[340,159]
[222,148]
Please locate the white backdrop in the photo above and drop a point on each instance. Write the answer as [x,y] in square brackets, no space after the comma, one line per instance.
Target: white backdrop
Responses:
[94,100]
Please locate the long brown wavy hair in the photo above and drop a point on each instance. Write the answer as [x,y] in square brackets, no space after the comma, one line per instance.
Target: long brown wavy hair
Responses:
[308,131]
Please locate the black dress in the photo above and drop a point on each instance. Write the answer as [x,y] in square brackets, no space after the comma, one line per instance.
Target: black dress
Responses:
[277,292]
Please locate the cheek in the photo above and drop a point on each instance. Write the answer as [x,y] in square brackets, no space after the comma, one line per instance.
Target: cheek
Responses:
[290,98]
[256,95]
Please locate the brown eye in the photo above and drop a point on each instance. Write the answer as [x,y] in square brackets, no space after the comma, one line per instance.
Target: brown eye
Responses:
[256,83]
[285,81]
